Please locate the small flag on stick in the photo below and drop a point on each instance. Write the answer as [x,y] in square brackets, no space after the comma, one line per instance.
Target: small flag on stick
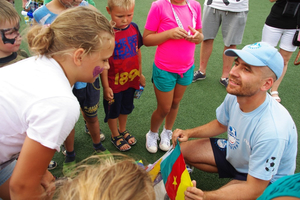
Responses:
[175,175]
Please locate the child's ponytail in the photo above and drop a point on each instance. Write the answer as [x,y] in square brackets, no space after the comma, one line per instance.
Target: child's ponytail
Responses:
[40,39]
[78,27]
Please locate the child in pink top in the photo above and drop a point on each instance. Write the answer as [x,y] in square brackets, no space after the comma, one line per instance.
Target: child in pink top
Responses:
[174,26]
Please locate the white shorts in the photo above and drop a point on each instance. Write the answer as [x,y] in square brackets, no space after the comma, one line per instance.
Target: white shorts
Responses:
[272,36]
[233,25]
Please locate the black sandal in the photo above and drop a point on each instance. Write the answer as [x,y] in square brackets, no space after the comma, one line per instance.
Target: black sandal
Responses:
[123,142]
[129,136]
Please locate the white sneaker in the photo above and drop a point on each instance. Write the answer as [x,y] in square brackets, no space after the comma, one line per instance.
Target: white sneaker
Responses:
[151,142]
[165,138]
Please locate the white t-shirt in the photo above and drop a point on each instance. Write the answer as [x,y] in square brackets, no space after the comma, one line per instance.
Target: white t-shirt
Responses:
[228,5]
[36,100]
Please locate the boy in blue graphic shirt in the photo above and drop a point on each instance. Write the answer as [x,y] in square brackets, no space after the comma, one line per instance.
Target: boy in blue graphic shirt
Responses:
[125,74]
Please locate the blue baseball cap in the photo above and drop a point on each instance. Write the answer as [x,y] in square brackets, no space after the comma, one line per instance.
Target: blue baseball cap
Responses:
[260,54]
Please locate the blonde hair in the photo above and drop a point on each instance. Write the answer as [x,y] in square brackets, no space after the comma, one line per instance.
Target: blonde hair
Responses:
[126,4]
[108,179]
[78,27]
[8,13]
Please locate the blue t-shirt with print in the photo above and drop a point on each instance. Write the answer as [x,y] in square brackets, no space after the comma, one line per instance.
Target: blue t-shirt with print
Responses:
[262,143]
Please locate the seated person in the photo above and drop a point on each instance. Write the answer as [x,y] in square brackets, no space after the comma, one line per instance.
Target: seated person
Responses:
[262,136]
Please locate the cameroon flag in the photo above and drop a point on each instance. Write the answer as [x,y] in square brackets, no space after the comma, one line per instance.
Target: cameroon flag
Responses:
[175,175]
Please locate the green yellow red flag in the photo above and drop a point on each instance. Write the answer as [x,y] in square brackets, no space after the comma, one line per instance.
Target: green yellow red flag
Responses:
[175,175]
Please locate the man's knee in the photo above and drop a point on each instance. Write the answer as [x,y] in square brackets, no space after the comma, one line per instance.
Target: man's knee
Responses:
[194,148]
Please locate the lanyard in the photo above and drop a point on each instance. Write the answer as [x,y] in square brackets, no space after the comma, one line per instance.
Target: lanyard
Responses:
[177,18]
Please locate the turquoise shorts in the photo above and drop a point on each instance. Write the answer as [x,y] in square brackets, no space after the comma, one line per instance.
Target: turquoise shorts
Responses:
[165,81]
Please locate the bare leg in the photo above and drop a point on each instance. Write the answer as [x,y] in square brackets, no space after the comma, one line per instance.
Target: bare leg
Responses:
[199,153]
[122,127]
[92,124]
[113,126]
[69,142]
[164,102]
[122,122]
[4,190]
[205,52]
[227,62]
[171,116]
[286,57]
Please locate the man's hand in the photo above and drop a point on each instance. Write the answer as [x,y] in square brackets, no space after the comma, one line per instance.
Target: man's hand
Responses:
[193,193]
[179,134]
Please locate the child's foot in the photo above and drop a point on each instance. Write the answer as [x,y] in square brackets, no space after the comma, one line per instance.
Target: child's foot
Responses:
[100,149]
[165,138]
[68,168]
[128,137]
[52,165]
[120,143]
[151,141]
[275,95]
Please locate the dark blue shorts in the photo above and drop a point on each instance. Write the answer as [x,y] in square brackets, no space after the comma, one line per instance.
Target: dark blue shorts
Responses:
[88,98]
[123,104]
[225,169]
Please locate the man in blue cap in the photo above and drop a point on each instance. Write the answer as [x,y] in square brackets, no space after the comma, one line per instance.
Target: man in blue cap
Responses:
[261,144]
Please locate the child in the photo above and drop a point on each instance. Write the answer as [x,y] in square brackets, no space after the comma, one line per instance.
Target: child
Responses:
[48,12]
[88,94]
[10,37]
[285,188]
[174,26]
[38,108]
[115,179]
[10,42]
[125,75]
[91,2]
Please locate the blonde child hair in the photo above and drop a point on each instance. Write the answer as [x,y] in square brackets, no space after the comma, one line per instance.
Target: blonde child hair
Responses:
[69,31]
[126,4]
[8,13]
[118,178]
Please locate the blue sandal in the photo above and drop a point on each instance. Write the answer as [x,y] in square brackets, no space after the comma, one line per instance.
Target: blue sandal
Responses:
[129,136]
[122,142]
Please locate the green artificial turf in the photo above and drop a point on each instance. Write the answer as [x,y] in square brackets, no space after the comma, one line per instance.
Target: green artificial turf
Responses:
[199,102]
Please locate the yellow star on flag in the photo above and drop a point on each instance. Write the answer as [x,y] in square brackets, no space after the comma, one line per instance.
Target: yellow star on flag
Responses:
[174,182]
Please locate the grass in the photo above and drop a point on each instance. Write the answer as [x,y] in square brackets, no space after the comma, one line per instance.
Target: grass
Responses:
[199,102]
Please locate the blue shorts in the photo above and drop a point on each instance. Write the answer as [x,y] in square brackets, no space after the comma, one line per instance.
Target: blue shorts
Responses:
[225,169]
[6,172]
[88,98]
[123,104]
[165,81]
